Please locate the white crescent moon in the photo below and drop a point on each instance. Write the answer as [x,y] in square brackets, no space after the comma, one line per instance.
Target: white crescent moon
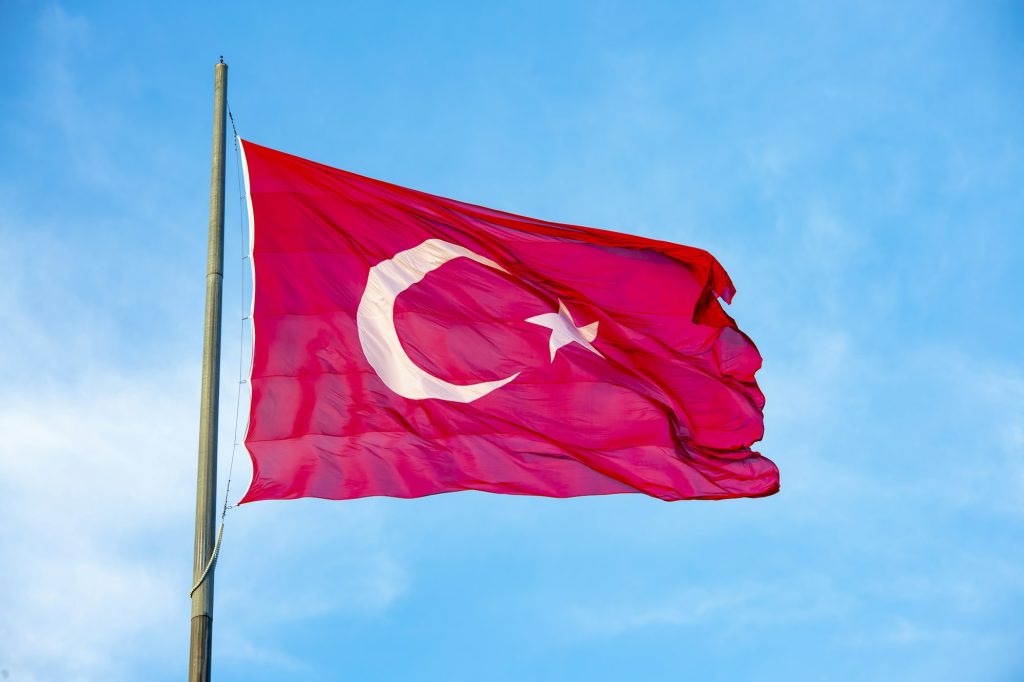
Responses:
[375,320]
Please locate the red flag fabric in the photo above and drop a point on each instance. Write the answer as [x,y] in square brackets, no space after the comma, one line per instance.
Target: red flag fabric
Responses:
[406,344]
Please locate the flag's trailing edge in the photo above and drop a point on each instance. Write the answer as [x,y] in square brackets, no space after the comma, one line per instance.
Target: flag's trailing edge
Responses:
[405,344]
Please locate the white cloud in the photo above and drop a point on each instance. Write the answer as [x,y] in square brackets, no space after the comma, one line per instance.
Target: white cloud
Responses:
[904,632]
[91,475]
[743,605]
[234,646]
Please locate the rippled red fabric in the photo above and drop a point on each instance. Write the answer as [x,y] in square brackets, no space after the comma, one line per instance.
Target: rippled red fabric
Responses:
[661,401]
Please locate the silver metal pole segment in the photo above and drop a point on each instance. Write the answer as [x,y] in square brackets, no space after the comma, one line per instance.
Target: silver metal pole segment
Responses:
[206,481]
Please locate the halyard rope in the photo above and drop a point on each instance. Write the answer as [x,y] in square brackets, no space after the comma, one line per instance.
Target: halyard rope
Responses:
[212,562]
[242,213]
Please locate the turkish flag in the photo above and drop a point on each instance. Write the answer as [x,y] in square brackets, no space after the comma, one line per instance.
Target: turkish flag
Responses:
[406,344]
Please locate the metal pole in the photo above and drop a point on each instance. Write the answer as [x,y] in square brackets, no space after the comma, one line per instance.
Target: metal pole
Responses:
[206,481]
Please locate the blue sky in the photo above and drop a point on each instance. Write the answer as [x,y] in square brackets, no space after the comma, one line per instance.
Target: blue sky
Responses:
[856,168]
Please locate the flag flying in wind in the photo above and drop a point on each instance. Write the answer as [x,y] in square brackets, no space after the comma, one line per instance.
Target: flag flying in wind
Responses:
[406,344]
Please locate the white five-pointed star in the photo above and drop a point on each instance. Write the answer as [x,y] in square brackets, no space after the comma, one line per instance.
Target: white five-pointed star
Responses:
[564,331]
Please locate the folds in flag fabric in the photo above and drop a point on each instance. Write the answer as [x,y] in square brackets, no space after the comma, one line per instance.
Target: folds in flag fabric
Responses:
[406,344]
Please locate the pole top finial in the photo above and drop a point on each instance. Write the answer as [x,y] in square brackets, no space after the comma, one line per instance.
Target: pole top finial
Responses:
[222,59]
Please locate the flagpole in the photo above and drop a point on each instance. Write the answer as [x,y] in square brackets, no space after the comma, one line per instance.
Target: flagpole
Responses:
[206,480]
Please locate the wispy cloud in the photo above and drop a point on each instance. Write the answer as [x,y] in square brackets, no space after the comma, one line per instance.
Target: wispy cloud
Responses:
[745,605]
[89,477]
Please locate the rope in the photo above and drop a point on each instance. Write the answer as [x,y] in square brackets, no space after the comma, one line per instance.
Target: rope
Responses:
[233,128]
[213,560]
[242,213]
